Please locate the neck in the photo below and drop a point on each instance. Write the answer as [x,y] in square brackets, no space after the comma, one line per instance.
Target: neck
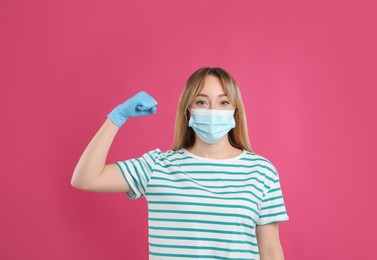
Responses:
[220,150]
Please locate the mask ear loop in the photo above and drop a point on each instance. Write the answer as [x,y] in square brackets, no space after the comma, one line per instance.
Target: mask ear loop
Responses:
[235,113]
[189,114]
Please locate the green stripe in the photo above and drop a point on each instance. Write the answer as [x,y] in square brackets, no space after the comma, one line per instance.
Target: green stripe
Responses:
[150,156]
[275,189]
[273,170]
[202,204]
[202,213]
[199,196]
[224,186]
[202,221]
[211,172]
[134,194]
[273,215]
[205,239]
[149,166]
[270,179]
[137,174]
[195,188]
[255,159]
[273,206]
[133,179]
[206,248]
[219,172]
[203,230]
[273,198]
[152,159]
[198,256]
[175,159]
[142,168]
[172,153]
[212,164]
[168,153]
[213,179]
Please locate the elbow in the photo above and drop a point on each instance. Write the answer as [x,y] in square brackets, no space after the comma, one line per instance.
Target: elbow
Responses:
[77,184]
[81,185]
[77,180]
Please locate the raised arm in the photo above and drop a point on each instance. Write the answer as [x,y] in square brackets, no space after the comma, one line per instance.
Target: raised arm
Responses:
[91,173]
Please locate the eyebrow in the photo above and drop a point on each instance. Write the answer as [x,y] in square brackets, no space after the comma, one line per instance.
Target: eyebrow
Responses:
[204,95]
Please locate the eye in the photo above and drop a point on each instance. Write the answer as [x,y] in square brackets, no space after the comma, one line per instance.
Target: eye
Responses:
[224,103]
[200,102]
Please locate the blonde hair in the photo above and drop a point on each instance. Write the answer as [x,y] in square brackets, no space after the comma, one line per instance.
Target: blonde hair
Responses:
[184,136]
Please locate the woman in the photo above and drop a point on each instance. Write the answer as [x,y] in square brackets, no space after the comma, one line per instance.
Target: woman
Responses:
[211,196]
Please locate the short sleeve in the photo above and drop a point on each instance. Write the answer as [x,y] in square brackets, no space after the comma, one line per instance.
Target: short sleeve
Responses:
[138,172]
[272,208]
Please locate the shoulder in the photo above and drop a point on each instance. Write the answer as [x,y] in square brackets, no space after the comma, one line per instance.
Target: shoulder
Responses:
[168,155]
[261,164]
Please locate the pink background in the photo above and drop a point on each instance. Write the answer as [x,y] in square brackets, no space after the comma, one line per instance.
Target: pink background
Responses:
[307,72]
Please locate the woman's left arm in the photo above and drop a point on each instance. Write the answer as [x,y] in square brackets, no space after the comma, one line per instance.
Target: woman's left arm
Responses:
[269,242]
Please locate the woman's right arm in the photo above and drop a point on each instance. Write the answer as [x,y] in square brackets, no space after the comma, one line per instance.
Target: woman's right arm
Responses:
[91,173]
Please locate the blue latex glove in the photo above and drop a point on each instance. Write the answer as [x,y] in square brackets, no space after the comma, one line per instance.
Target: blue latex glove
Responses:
[141,104]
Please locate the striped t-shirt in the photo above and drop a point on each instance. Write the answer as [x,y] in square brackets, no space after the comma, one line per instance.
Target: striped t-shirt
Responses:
[205,208]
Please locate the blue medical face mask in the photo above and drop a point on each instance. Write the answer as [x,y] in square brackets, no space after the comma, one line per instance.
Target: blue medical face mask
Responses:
[211,124]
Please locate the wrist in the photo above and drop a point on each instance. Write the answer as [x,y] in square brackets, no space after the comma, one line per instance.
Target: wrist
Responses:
[116,119]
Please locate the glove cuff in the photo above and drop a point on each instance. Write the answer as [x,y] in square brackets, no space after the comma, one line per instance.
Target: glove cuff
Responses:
[117,119]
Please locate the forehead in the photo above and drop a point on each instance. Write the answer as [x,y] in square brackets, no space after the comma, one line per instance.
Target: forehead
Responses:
[212,86]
